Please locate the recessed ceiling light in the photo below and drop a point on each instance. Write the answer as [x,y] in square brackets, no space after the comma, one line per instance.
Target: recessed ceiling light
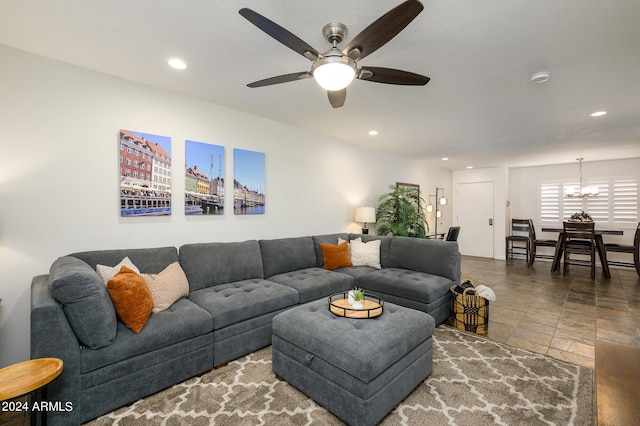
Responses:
[599,113]
[176,63]
[469,167]
[540,77]
[445,158]
[373,132]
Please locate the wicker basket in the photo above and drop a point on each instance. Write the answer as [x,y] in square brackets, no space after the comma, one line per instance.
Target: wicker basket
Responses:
[469,312]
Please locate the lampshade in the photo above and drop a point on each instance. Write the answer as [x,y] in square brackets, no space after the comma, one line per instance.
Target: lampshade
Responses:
[334,72]
[365,215]
[429,208]
[443,201]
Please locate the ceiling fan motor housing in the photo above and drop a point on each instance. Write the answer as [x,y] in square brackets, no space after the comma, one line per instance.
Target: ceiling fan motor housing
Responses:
[334,32]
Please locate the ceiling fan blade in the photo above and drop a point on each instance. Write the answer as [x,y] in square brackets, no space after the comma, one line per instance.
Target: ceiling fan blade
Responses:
[285,37]
[280,79]
[382,30]
[392,76]
[337,97]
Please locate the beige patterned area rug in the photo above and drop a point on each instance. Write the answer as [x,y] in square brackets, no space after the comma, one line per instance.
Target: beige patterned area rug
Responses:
[474,382]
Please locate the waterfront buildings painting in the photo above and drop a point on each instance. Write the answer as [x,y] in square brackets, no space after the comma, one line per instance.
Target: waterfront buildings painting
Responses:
[145,174]
[248,182]
[204,178]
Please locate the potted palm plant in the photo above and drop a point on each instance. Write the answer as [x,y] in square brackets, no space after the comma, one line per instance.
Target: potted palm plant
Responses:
[400,213]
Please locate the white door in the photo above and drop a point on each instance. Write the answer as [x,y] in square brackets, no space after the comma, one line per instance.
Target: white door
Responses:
[475,217]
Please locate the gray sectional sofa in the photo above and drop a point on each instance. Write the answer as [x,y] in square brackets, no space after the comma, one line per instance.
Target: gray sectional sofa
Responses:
[235,290]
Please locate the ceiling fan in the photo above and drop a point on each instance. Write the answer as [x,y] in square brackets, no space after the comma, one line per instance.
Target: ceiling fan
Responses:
[334,69]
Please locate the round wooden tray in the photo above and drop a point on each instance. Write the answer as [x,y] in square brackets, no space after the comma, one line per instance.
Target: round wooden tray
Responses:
[372,306]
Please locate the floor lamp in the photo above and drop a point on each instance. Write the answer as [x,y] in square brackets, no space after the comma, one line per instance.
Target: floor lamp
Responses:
[441,200]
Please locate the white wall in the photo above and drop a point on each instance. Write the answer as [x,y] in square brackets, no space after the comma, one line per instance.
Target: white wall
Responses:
[59,175]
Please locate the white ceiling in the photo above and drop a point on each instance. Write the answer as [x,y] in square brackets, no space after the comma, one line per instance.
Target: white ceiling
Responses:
[479,108]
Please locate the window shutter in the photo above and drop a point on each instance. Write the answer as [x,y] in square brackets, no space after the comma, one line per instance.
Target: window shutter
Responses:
[550,202]
[598,206]
[571,205]
[625,197]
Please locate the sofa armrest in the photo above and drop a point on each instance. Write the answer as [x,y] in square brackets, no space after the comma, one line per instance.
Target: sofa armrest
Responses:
[52,336]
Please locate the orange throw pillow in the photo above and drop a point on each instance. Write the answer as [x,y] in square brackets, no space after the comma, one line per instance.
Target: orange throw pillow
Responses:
[131,298]
[335,256]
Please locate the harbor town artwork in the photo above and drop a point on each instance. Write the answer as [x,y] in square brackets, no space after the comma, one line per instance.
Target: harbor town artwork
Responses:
[204,178]
[248,182]
[145,174]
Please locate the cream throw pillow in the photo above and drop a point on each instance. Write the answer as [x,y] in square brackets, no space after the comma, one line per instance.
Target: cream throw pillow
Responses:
[167,286]
[364,254]
[108,272]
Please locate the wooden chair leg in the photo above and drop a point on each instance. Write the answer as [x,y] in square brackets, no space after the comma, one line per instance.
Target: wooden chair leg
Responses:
[532,258]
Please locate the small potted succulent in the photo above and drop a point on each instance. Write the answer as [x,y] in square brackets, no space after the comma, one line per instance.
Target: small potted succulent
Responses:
[356,297]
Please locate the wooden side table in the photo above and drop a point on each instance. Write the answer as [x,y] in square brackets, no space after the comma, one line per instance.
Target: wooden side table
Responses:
[26,377]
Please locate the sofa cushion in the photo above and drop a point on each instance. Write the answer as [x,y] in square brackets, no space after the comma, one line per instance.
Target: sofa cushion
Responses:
[314,283]
[167,286]
[149,260]
[407,284]
[335,256]
[287,254]
[356,271]
[85,301]
[182,321]
[210,264]
[431,256]
[239,301]
[131,298]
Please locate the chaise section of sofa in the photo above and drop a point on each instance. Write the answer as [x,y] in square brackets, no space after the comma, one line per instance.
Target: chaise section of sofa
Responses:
[418,275]
[226,279]
[101,374]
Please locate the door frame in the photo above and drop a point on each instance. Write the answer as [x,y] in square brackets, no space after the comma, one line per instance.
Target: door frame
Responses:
[487,203]
[500,178]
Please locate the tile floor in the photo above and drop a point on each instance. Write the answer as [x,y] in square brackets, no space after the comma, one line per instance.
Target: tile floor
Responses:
[561,316]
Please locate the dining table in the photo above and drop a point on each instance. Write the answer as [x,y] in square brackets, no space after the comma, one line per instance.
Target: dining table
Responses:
[602,252]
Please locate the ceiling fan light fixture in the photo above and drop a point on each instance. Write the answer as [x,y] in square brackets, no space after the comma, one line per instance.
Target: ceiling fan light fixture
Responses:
[334,72]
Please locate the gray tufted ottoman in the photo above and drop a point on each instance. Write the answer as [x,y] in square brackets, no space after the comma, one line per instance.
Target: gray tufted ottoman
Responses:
[359,369]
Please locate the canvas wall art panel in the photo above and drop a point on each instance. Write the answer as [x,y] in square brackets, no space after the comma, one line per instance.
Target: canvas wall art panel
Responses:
[145,174]
[204,179]
[248,182]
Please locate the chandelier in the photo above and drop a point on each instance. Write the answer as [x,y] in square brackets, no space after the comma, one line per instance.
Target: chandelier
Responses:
[581,191]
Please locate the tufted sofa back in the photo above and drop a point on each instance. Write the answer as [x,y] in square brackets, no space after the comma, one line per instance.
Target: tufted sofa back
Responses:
[210,264]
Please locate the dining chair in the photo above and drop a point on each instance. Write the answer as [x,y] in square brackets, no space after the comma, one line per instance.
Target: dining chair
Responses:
[579,239]
[520,239]
[452,234]
[624,248]
[535,243]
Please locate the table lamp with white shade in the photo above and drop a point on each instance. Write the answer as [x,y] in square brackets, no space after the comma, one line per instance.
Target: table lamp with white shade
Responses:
[365,215]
